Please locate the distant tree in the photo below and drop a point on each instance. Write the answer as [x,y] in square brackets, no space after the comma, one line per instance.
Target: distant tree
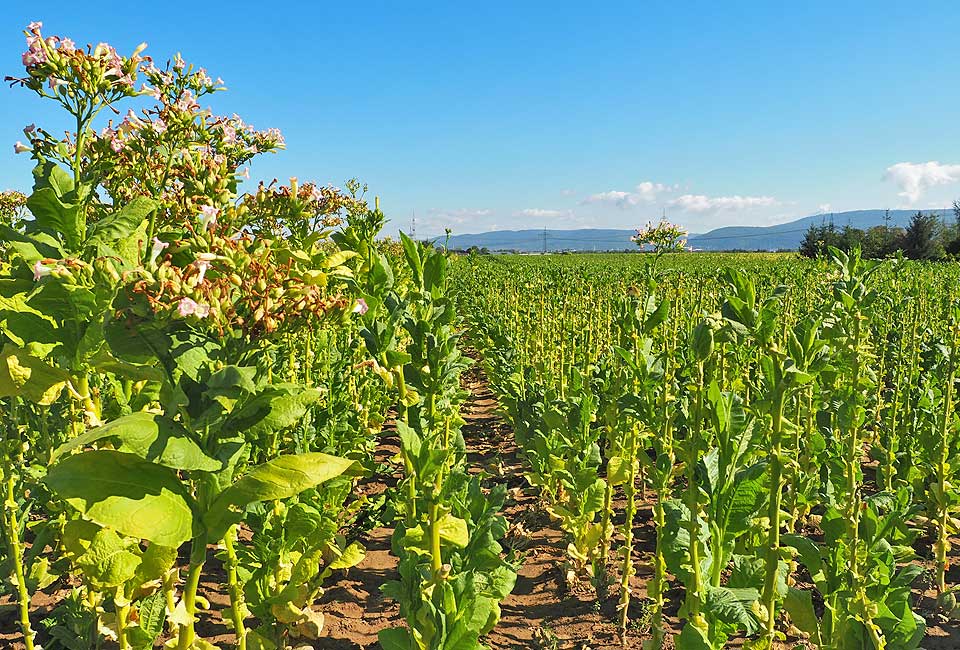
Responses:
[882,241]
[812,244]
[921,239]
[952,243]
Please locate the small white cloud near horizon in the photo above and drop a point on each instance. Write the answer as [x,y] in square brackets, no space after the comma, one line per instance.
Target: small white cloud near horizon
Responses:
[914,179]
[702,203]
[824,208]
[542,213]
[645,192]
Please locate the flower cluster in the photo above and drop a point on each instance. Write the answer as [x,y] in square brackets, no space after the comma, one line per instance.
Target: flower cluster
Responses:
[295,210]
[664,237]
[57,68]
[13,205]
[240,284]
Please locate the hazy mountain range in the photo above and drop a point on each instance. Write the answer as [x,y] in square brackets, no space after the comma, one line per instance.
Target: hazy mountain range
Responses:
[765,238]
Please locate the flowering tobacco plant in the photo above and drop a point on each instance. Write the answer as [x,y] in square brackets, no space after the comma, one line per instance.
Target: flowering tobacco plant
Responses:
[664,237]
[143,298]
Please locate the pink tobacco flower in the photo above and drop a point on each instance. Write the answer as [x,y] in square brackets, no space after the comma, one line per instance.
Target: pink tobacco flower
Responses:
[40,271]
[158,247]
[190,307]
[361,307]
[208,215]
[19,147]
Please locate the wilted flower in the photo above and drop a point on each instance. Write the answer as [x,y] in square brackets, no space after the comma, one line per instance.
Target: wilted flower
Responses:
[29,129]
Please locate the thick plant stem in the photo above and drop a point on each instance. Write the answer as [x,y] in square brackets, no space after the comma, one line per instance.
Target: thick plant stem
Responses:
[773,535]
[237,604]
[627,550]
[942,465]
[12,532]
[198,554]
[656,589]
[695,590]
[123,616]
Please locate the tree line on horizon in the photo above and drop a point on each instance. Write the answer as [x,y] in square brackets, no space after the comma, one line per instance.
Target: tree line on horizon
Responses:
[926,237]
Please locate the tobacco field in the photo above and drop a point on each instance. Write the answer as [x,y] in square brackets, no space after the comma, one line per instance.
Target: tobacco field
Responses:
[220,406]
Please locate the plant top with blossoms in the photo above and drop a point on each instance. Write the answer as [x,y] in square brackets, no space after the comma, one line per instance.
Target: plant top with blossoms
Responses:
[663,237]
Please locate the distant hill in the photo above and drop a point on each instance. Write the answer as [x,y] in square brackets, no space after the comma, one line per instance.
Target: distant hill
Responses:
[785,236]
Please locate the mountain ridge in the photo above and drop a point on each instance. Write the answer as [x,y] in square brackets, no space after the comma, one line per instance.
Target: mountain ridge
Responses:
[783,236]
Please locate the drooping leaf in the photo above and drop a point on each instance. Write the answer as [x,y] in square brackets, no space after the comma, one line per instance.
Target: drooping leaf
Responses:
[799,605]
[395,638]
[122,491]
[26,376]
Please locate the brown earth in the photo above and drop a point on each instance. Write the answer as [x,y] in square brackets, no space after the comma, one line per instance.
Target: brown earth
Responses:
[542,613]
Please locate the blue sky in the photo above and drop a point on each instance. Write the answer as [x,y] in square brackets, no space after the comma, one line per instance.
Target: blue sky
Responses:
[510,115]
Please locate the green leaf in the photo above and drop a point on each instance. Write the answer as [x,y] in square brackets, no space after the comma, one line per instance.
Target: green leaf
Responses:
[154,562]
[54,217]
[338,258]
[395,638]
[122,223]
[454,530]
[109,560]
[150,436]
[618,470]
[135,497]
[731,606]
[799,605]
[24,375]
[275,409]
[351,557]
[280,478]
[692,638]
[152,615]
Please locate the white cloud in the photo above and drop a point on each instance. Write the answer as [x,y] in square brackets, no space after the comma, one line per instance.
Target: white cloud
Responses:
[703,203]
[460,215]
[645,192]
[914,179]
[823,208]
[541,213]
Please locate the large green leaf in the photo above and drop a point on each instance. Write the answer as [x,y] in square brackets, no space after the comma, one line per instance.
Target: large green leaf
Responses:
[54,217]
[133,496]
[24,375]
[280,478]
[732,606]
[153,613]
[122,223]
[150,436]
[275,409]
